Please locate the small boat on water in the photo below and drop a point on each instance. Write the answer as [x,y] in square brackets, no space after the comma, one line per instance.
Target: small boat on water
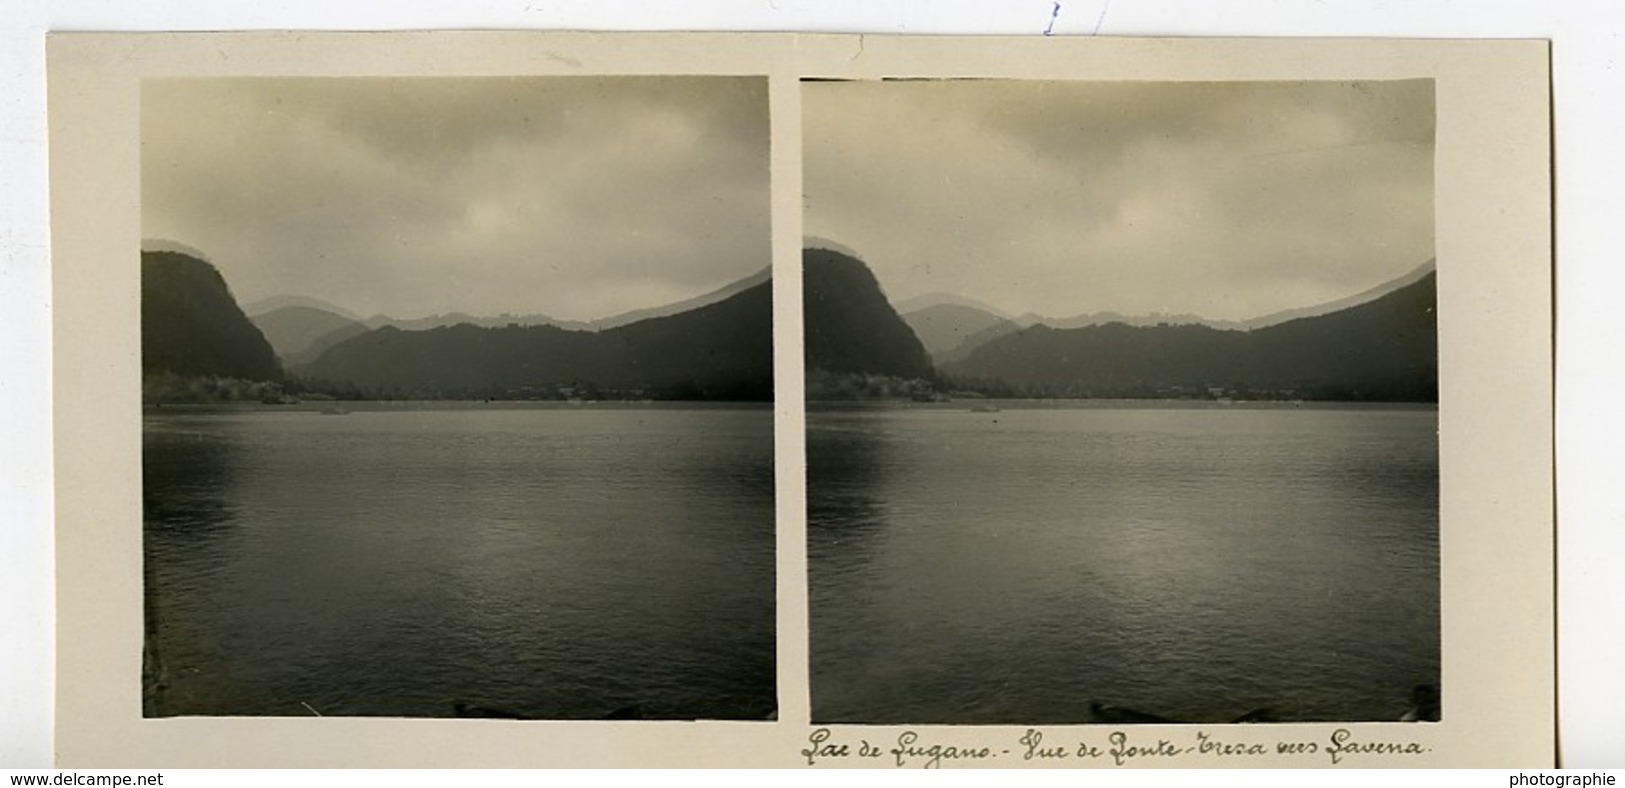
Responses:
[1424,704]
[334,411]
[984,409]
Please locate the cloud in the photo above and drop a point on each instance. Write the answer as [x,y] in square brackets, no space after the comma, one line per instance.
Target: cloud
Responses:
[575,197]
[1230,200]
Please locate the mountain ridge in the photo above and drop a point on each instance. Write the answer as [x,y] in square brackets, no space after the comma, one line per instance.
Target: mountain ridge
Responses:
[928,300]
[1385,349]
[722,350]
[273,303]
[1327,307]
[1102,317]
[952,327]
[441,319]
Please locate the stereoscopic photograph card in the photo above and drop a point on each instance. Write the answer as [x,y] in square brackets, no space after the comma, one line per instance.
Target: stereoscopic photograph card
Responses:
[803,401]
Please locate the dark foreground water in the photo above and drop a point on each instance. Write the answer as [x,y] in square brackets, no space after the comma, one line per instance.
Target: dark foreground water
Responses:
[1192,563]
[552,563]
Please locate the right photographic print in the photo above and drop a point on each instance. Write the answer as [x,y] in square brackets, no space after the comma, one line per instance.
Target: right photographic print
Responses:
[1122,402]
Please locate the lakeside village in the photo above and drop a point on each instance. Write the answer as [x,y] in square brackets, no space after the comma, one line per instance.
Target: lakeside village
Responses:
[169,388]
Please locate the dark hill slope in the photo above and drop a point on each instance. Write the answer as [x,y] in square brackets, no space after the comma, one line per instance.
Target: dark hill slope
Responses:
[1384,349]
[850,326]
[191,325]
[1101,360]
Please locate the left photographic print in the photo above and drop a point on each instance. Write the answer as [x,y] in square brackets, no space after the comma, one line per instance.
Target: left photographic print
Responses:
[456,398]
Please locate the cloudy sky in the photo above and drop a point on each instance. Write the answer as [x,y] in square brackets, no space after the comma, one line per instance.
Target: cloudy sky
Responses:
[1226,200]
[574,197]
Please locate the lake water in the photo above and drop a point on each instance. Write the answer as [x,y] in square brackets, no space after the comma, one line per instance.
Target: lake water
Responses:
[562,563]
[1194,563]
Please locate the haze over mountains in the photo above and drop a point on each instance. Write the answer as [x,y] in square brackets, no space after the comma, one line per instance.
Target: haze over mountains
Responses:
[301,328]
[953,326]
[945,328]
[300,334]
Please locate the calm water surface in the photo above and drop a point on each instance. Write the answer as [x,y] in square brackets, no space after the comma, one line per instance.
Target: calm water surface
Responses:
[1192,563]
[554,563]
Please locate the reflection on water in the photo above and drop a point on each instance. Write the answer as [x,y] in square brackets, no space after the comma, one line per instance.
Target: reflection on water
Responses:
[568,564]
[1195,564]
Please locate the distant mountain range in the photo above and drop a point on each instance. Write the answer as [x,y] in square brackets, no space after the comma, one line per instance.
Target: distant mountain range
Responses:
[265,305]
[1152,319]
[718,346]
[1385,349]
[1379,345]
[301,328]
[952,327]
[977,316]
[722,351]
[929,300]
